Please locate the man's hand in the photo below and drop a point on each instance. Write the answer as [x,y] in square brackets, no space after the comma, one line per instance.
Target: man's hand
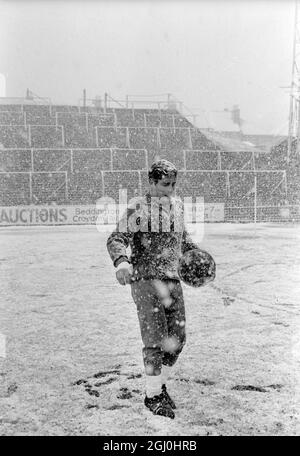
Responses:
[124,273]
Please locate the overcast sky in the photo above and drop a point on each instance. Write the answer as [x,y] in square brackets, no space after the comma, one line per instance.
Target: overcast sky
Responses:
[209,54]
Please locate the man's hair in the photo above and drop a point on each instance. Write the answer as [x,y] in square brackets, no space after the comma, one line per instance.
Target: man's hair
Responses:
[162,168]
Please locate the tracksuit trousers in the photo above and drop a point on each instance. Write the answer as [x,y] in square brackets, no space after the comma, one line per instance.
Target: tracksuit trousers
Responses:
[161,314]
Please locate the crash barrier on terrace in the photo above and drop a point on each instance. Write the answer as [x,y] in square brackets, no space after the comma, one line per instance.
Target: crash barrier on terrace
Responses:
[66,155]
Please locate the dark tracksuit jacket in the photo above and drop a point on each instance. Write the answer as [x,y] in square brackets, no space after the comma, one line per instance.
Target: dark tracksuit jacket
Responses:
[157,239]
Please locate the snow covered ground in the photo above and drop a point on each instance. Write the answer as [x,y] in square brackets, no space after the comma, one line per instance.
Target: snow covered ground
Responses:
[73,362]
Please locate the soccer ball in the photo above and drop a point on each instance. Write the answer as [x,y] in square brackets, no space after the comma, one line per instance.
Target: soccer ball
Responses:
[197,268]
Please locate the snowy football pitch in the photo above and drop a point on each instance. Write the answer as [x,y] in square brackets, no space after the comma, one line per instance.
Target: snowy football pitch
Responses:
[70,359]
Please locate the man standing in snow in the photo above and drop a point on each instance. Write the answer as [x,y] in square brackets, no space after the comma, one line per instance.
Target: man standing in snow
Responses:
[153,227]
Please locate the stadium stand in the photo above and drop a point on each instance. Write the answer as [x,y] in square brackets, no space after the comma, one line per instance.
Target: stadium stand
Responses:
[15,189]
[175,156]
[49,187]
[174,138]
[159,120]
[37,119]
[112,137]
[127,159]
[14,136]
[293,179]
[124,118]
[143,138]
[237,160]
[270,186]
[51,160]
[70,119]
[263,160]
[15,160]
[201,142]
[75,155]
[84,188]
[118,180]
[48,136]
[202,160]
[91,160]
[139,118]
[292,167]
[38,115]
[63,108]
[152,111]
[78,136]
[89,110]
[11,107]
[209,185]
[100,120]
[241,187]
[38,110]
[11,118]
[181,122]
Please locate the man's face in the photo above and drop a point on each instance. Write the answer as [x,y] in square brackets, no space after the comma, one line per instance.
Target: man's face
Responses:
[164,187]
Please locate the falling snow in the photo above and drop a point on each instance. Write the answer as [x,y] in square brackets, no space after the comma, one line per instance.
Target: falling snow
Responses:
[74,364]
